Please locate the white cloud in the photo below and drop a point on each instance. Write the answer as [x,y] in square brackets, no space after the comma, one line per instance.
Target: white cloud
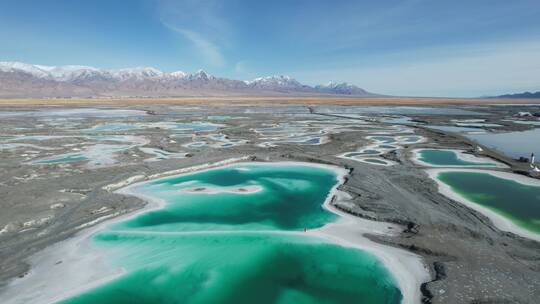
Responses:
[198,22]
[209,51]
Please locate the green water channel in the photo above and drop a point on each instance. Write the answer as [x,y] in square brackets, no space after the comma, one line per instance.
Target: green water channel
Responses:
[61,159]
[235,235]
[448,158]
[518,202]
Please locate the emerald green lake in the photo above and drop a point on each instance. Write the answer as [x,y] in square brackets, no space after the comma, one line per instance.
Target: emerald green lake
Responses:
[518,202]
[447,158]
[235,235]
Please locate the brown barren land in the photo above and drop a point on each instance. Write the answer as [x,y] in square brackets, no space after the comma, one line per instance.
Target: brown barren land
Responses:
[314,100]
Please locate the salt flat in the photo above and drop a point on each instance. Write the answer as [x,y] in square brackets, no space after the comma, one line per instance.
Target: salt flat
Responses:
[46,204]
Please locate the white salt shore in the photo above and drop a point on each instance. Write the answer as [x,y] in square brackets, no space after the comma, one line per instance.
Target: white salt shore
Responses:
[83,267]
[498,220]
[366,159]
[137,178]
[460,154]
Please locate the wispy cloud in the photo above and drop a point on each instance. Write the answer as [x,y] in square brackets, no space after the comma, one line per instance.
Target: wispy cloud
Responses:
[209,51]
[199,22]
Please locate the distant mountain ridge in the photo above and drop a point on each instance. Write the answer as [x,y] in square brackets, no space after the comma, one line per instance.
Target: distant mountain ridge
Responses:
[520,95]
[21,80]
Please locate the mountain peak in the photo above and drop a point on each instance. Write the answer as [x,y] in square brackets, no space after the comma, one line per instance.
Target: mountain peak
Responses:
[520,95]
[34,70]
[343,88]
[275,82]
[140,73]
[178,74]
[200,75]
[27,80]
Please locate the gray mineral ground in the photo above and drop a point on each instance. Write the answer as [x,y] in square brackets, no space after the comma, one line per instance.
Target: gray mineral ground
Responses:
[46,199]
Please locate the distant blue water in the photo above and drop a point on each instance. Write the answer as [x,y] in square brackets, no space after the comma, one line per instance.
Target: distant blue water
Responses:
[455,129]
[394,110]
[513,144]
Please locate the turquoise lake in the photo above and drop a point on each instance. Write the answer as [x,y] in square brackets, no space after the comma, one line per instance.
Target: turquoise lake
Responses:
[235,235]
[518,202]
[448,158]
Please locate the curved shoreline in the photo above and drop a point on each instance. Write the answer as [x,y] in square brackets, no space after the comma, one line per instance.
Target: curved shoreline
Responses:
[461,155]
[406,268]
[500,221]
[365,160]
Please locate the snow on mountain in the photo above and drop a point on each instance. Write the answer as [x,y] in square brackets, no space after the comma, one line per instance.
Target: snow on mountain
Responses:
[34,70]
[70,73]
[287,83]
[199,75]
[58,73]
[138,73]
[21,79]
[341,88]
[269,82]
[177,74]
[77,74]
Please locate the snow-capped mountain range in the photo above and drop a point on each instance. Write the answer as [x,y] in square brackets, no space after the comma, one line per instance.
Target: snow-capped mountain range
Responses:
[19,79]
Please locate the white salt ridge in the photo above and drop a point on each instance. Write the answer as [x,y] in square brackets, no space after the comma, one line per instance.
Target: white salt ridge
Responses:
[371,152]
[386,162]
[124,183]
[137,178]
[98,220]
[199,167]
[100,210]
[7,228]
[57,206]
[73,113]
[97,155]
[14,146]
[159,154]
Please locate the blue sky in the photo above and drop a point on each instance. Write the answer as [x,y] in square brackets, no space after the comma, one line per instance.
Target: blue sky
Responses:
[400,47]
